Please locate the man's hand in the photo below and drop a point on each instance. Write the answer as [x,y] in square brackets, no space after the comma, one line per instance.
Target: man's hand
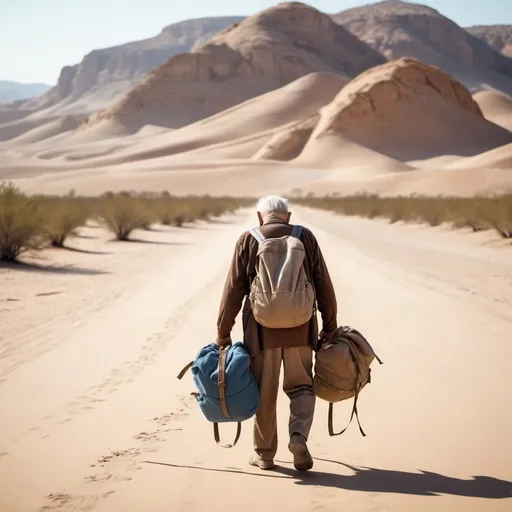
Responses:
[325,336]
[221,342]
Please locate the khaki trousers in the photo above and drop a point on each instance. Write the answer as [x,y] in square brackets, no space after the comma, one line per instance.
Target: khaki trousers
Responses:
[298,386]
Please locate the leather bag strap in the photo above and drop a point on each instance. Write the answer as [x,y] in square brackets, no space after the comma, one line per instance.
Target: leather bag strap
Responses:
[217,435]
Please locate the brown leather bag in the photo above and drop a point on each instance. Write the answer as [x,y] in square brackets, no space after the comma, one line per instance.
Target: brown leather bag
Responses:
[342,369]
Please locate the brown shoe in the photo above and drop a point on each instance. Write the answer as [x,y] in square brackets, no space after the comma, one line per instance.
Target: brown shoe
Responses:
[302,459]
[264,464]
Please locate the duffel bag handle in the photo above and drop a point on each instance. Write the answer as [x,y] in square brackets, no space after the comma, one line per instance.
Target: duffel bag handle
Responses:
[217,435]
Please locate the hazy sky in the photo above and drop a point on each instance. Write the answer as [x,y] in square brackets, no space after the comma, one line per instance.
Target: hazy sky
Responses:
[39,37]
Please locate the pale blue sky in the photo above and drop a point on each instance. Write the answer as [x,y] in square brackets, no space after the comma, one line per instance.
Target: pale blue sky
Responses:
[39,37]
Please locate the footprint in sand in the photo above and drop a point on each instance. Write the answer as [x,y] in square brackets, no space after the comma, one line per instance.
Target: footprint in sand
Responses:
[66,502]
[107,477]
[178,414]
[149,436]
[114,454]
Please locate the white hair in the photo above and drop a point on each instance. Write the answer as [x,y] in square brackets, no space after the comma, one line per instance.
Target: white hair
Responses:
[272,204]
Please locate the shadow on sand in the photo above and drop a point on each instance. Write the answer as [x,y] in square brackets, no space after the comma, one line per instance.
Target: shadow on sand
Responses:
[152,242]
[367,479]
[51,269]
[84,251]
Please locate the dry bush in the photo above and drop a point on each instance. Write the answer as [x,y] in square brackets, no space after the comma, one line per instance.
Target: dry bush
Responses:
[498,213]
[122,213]
[27,223]
[63,215]
[172,212]
[469,213]
[20,223]
[477,213]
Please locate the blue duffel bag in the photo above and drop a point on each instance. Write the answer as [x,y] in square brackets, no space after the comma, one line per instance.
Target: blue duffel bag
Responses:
[227,389]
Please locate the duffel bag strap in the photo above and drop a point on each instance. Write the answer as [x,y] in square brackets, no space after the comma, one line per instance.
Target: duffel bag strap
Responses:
[223,403]
[185,370]
[222,381]
[217,435]
[356,397]
[330,420]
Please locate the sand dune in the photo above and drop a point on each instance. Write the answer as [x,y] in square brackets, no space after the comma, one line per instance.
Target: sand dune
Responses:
[200,176]
[248,119]
[382,109]
[288,142]
[374,123]
[108,377]
[334,151]
[55,127]
[236,132]
[8,115]
[459,182]
[13,129]
[496,107]
[499,158]
[317,133]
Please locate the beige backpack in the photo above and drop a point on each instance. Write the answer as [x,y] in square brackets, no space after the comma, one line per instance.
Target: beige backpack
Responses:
[342,369]
[281,294]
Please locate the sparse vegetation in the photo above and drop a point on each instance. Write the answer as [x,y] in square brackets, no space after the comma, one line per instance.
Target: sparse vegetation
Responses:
[476,213]
[33,222]
[21,223]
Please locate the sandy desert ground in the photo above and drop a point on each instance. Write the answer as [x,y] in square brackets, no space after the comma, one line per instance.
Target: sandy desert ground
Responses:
[94,418]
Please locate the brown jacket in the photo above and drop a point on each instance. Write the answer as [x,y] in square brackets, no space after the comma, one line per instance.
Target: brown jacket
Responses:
[237,287]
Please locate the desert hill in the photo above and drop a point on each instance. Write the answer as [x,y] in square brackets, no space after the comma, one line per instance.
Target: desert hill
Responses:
[105,74]
[497,36]
[261,53]
[236,132]
[401,29]
[398,112]
[243,128]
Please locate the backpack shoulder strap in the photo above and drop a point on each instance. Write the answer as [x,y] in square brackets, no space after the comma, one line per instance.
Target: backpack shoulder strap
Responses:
[256,233]
[297,231]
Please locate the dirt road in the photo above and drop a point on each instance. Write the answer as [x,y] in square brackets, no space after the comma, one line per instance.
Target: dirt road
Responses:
[90,350]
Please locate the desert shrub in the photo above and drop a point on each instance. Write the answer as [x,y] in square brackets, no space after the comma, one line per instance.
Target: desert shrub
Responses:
[477,213]
[63,215]
[498,213]
[20,223]
[172,211]
[468,213]
[122,213]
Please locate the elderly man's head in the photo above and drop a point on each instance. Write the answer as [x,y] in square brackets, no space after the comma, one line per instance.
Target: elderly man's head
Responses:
[273,206]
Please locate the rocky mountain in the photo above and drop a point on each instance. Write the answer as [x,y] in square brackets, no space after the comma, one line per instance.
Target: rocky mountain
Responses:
[110,72]
[497,36]
[259,54]
[14,91]
[401,29]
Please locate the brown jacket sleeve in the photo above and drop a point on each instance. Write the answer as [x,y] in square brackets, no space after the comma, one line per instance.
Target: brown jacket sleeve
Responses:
[325,295]
[235,289]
